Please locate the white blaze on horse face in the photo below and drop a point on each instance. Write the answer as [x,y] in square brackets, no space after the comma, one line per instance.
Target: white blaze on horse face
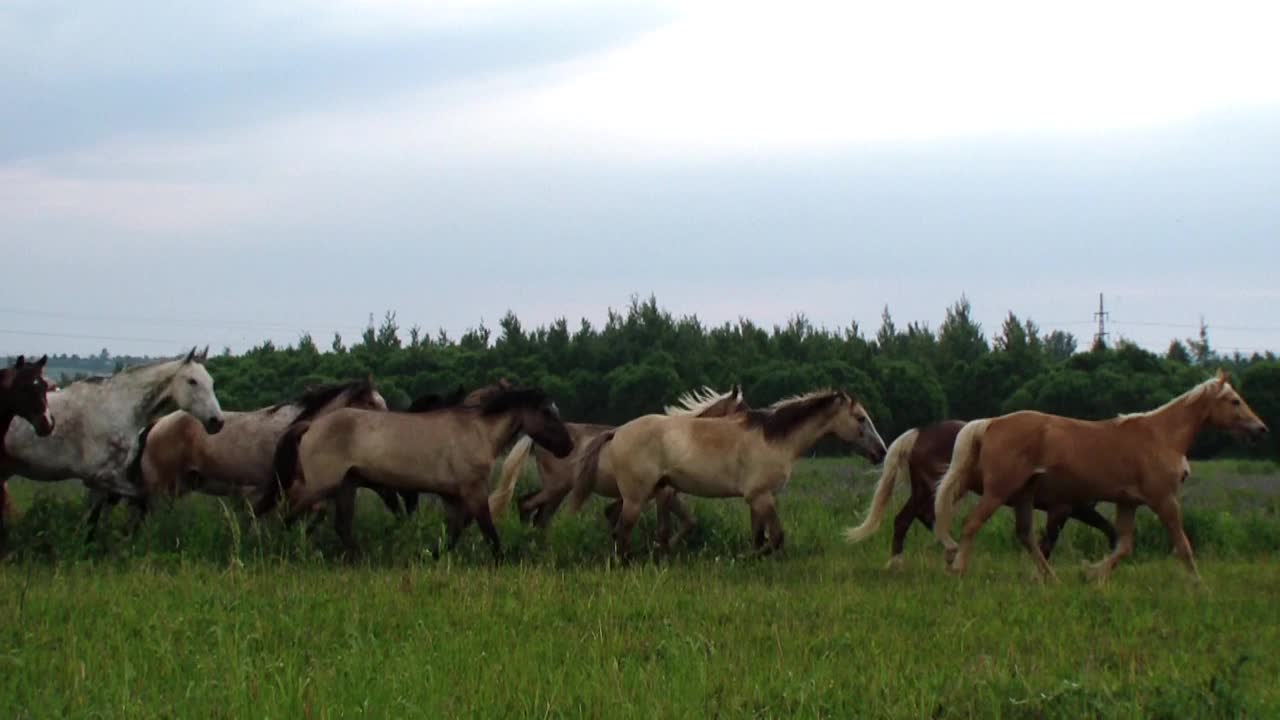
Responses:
[192,390]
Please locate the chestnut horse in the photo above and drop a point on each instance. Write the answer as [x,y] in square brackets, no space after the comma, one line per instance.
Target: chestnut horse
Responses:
[23,394]
[749,455]
[448,451]
[1027,458]
[559,474]
[922,454]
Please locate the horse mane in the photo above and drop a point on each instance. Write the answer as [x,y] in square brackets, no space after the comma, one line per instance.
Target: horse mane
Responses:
[314,399]
[1191,395]
[435,401]
[496,399]
[128,370]
[783,417]
[697,401]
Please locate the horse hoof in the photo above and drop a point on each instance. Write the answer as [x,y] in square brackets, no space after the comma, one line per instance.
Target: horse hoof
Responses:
[895,563]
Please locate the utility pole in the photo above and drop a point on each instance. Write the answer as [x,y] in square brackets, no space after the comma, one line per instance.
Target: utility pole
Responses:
[1100,340]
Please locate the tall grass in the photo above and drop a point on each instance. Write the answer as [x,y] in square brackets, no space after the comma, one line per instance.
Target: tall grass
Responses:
[206,613]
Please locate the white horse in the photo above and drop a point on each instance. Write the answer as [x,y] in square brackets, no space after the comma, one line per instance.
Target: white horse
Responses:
[99,421]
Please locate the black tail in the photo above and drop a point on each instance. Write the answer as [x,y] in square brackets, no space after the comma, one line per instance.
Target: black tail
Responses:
[134,471]
[285,464]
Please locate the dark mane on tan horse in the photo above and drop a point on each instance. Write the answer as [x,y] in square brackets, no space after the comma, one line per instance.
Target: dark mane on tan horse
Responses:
[505,399]
[783,417]
[314,399]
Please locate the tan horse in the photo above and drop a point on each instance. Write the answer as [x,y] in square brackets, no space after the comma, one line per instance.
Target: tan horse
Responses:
[1028,458]
[748,456]
[448,451]
[558,474]
[178,456]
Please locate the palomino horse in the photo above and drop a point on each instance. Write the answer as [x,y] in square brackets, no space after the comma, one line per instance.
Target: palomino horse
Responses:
[178,456]
[748,456]
[558,474]
[448,451]
[922,454]
[1026,458]
[99,421]
[23,391]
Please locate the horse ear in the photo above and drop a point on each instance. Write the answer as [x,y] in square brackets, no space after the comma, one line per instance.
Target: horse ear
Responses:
[191,355]
[43,359]
[22,361]
[1222,376]
[204,354]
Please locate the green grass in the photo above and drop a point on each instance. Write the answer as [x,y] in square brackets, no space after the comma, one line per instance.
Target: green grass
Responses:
[206,614]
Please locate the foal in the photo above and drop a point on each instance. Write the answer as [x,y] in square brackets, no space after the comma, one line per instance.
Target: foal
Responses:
[922,455]
[1028,457]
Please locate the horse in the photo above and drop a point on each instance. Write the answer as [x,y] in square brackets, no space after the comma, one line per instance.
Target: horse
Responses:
[23,394]
[99,421]
[558,475]
[1028,457]
[448,451]
[749,455]
[177,456]
[922,455]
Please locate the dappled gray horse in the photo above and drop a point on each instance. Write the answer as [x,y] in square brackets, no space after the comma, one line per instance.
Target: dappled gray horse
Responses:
[98,423]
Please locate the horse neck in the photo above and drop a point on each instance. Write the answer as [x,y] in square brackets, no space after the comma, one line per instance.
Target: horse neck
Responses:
[807,434]
[1180,421]
[500,429]
[143,389]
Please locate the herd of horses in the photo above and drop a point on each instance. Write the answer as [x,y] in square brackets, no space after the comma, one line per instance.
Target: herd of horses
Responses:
[158,431]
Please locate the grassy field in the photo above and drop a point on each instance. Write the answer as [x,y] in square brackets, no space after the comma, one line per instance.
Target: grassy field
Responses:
[206,614]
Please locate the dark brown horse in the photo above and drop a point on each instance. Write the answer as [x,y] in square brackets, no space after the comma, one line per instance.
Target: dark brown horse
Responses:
[923,454]
[23,394]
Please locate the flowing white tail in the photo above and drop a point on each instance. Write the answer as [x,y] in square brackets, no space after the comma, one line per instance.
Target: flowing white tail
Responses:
[896,468]
[956,481]
[511,468]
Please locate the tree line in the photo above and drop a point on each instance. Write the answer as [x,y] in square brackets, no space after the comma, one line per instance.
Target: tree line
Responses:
[644,357]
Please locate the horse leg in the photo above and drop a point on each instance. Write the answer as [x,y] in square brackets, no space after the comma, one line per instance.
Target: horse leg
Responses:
[901,525]
[688,523]
[391,499]
[343,517]
[548,507]
[526,506]
[1101,570]
[1056,518]
[611,513]
[99,501]
[776,535]
[629,513]
[1170,513]
[764,526]
[1089,515]
[410,500]
[457,519]
[139,507]
[1024,525]
[664,498]
[478,508]
[987,506]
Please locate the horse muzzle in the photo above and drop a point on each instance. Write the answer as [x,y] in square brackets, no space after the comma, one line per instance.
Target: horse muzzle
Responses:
[213,425]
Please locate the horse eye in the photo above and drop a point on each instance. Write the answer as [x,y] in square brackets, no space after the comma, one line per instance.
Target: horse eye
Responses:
[191,382]
[1236,402]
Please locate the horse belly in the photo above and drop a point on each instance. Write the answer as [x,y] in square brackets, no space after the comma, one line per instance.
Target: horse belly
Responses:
[703,484]
[1054,490]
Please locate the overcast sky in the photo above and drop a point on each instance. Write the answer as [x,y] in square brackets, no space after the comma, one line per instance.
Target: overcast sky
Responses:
[178,173]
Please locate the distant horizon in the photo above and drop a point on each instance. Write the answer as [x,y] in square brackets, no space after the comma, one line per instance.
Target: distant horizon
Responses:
[1083,331]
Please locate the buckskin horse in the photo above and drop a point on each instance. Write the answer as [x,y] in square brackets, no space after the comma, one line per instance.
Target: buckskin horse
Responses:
[558,474]
[748,455]
[448,451]
[1027,458]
